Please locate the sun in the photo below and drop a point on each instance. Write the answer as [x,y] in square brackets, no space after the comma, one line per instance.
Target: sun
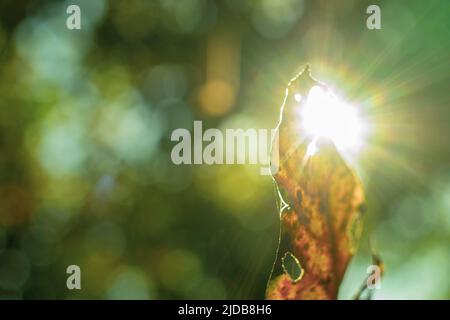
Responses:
[323,115]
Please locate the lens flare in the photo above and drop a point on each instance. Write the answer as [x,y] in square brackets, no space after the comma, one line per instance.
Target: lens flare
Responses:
[325,116]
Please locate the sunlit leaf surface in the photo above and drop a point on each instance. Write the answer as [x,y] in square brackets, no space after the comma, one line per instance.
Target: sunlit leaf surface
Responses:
[321,203]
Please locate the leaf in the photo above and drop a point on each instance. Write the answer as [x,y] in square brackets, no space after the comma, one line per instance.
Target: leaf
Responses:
[321,201]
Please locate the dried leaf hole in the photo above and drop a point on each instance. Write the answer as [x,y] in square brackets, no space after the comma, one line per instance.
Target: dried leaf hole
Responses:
[292,267]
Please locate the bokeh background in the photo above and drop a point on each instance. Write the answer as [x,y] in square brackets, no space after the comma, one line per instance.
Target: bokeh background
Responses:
[85,123]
